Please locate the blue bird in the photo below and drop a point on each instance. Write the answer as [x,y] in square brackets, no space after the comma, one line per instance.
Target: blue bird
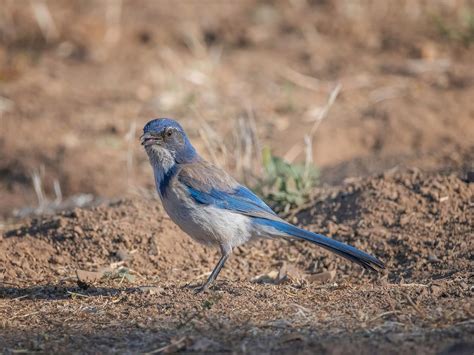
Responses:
[214,209]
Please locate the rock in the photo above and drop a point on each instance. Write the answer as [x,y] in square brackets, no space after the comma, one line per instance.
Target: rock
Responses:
[152,290]
[322,277]
[269,277]
[57,259]
[288,272]
[88,276]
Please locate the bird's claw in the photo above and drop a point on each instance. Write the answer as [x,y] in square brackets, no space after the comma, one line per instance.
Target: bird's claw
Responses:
[200,289]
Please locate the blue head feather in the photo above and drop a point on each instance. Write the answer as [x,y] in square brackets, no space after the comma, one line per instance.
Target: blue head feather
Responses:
[159,124]
[178,143]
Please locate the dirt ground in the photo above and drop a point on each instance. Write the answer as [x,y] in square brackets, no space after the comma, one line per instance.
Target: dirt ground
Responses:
[273,296]
[394,154]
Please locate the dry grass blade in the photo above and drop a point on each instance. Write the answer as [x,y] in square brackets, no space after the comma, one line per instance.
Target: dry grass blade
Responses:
[130,138]
[415,306]
[212,141]
[412,285]
[308,139]
[45,20]
[301,80]
[381,315]
[24,315]
[205,134]
[308,143]
[247,153]
[113,14]
[75,294]
[57,191]
[325,110]
[38,187]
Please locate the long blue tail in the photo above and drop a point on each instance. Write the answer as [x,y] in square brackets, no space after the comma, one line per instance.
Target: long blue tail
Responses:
[346,251]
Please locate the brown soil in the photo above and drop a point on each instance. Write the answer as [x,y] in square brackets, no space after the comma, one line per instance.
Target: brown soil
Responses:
[394,154]
[272,296]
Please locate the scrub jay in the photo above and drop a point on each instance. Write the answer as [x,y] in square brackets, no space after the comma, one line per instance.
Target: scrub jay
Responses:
[214,209]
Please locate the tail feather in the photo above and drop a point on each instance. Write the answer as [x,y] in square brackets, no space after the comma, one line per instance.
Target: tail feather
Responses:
[346,251]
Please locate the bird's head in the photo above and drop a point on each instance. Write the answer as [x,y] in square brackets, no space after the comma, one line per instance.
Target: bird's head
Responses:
[166,142]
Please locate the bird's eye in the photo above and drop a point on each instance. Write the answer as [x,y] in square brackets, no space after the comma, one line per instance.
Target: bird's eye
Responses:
[169,133]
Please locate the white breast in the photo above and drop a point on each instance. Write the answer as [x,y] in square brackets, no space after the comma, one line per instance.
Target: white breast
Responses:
[207,224]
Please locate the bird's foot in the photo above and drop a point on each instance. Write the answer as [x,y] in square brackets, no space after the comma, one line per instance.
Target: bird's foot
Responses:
[200,289]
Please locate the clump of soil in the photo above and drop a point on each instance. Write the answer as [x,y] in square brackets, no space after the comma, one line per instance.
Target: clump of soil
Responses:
[420,224]
[115,278]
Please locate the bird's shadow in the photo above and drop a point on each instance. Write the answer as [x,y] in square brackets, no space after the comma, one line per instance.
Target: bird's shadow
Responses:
[59,292]
[62,292]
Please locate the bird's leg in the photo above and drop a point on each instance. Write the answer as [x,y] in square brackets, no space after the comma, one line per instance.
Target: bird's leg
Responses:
[225,255]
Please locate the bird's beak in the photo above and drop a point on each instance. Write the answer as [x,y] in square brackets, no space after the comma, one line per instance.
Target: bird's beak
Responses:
[148,139]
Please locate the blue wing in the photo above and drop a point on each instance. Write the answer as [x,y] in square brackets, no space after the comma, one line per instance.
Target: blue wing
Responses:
[240,199]
[209,185]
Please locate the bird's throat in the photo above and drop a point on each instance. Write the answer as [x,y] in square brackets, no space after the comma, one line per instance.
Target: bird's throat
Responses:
[162,162]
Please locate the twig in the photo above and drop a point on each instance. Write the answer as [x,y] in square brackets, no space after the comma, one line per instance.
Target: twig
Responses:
[20,297]
[137,273]
[318,119]
[300,310]
[414,305]
[381,315]
[413,285]
[193,40]
[304,81]
[325,110]
[386,93]
[293,153]
[24,315]
[170,346]
[74,294]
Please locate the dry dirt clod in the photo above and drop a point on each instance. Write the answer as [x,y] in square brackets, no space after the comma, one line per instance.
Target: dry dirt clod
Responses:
[152,290]
[88,276]
[322,277]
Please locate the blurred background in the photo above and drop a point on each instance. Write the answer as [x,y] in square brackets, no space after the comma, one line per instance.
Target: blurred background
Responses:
[300,91]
